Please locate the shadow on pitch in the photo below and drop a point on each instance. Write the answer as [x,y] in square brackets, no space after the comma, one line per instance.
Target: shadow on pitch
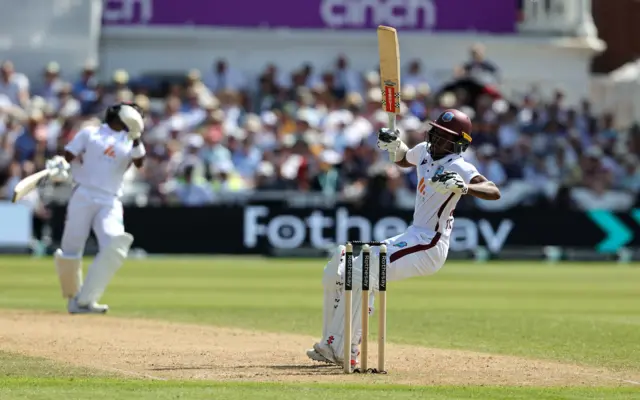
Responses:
[297,369]
[323,369]
[182,367]
[320,369]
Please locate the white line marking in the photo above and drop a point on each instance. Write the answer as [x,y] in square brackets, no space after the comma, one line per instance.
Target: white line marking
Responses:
[132,373]
[611,378]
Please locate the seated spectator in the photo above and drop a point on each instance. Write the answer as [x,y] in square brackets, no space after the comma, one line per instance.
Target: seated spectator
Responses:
[512,164]
[244,154]
[489,166]
[630,179]
[195,85]
[415,76]
[269,178]
[193,111]
[14,85]
[192,193]
[479,68]
[347,80]
[329,180]
[313,131]
[223,78]
[225,179]
[118,88]
[52,83]
[84,89]
[535,172]
[30,144]
[65,105]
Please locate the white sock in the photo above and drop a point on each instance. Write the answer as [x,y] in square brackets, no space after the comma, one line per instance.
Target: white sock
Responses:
[331,300]
[332,284]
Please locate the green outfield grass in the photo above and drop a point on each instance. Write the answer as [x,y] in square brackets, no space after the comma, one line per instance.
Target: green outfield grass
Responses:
[102,389]
[587,314]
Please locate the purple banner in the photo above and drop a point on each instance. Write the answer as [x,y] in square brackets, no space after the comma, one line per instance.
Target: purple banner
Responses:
[495,16]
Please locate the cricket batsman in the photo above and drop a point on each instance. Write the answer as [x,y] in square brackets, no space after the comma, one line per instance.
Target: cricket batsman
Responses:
[97,158]
[443,178]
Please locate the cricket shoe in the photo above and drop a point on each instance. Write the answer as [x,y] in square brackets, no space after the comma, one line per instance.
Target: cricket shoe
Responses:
[327,352]
[315,356]
[355,352]
[94,308]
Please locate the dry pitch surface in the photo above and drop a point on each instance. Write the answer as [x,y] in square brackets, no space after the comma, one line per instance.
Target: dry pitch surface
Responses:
[161,350]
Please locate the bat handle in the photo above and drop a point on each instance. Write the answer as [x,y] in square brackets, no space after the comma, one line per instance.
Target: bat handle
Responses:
[392,126]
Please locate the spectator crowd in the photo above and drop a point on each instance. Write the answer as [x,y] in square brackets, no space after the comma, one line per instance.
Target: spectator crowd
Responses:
[218,133]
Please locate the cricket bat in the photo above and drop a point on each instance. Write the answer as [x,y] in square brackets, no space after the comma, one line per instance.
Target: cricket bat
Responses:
[389,52]
[26,185]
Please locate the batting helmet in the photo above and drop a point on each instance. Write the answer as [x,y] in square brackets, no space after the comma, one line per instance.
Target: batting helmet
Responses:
[453,123]
[111,115]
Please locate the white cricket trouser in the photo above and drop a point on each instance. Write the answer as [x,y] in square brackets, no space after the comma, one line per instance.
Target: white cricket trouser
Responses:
[91,209]
[416,252]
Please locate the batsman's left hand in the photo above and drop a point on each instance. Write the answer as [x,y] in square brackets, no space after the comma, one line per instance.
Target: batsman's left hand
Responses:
[58,169]
[388,140]
[448,182]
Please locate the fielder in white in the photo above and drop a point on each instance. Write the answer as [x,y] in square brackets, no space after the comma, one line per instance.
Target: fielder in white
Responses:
[97,157]
[443,178]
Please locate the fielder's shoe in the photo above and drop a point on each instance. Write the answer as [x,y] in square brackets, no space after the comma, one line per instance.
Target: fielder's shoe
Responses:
[94,308]
[327,352]
[315,356]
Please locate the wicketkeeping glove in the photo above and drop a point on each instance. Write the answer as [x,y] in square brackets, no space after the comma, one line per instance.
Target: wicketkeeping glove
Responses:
[448,182]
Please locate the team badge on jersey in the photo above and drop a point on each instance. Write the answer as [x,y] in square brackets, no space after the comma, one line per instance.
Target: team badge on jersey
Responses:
[400,244]
[422,187]
[439,170]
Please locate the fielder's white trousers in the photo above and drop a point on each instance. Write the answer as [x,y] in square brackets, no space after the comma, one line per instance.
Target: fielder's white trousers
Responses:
[91,209]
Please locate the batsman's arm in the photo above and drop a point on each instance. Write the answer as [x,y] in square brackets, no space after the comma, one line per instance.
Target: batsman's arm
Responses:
[69,156]
[406,157]
[404,163]
[482,188]
[77,145]
[138,153]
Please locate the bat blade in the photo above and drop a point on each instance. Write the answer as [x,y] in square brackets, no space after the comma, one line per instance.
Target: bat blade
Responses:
[26,185]
[389,53]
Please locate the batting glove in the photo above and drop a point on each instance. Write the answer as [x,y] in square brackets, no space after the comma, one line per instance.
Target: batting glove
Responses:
[58,169]
[449,182]
[132,119]
[388,140]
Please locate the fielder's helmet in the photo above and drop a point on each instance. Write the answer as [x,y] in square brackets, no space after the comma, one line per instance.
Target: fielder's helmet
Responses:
[456,124]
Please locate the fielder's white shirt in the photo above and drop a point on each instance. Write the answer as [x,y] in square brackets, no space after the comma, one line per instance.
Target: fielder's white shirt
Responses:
[434,211]
[105,155]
